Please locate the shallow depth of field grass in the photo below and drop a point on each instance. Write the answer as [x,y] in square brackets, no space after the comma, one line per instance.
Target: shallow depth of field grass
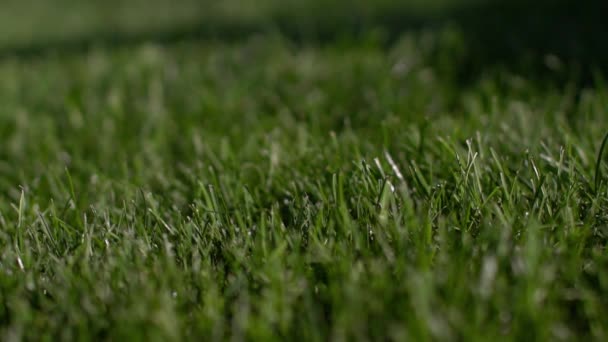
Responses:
[263,188]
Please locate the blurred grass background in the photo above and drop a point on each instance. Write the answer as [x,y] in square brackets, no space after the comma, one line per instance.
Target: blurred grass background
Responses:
[520,35]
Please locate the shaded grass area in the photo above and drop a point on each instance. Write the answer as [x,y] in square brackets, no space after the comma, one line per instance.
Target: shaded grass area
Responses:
[264,189]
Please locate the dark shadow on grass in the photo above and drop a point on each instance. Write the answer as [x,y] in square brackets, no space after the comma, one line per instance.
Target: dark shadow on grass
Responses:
[531,37]
[534,37]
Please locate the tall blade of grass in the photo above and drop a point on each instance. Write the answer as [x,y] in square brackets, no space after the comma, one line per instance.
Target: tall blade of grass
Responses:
[598,164]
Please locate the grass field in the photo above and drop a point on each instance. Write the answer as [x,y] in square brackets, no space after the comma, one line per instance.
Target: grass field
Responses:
[300,181]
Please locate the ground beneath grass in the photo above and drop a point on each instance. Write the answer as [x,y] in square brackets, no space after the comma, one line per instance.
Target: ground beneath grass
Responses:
[269,187]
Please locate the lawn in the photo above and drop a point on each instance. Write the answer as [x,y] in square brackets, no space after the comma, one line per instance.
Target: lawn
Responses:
[315,172]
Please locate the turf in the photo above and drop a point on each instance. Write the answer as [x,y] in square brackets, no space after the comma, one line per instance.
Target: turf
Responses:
[266,188]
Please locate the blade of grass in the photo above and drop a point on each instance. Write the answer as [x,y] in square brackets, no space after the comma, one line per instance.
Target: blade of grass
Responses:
[598,164]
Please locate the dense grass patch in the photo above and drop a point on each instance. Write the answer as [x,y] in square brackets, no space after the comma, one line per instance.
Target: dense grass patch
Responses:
[265,189]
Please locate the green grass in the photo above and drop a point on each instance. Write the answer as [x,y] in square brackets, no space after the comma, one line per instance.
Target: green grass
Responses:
[263,189]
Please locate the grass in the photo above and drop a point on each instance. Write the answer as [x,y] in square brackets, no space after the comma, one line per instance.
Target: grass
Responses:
[265,189]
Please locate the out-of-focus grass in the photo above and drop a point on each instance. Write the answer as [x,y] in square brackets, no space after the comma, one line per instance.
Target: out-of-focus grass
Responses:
[523,37]
[32,21]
